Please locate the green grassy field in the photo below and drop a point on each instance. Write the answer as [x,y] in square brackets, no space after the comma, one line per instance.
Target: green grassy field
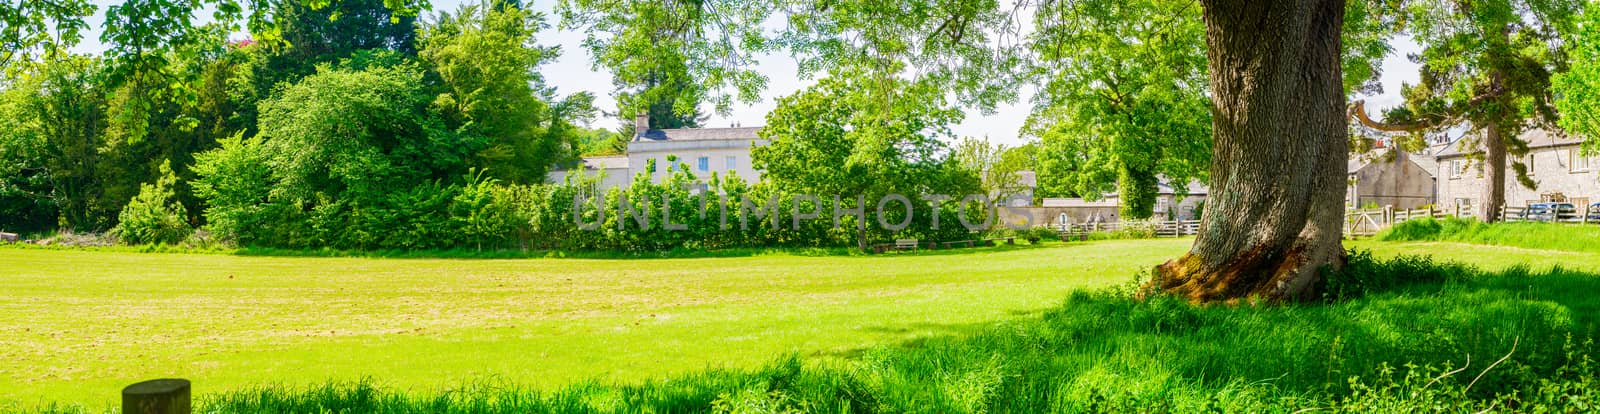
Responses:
[76,326]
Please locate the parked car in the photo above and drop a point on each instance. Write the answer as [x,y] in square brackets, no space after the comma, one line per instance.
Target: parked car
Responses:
[1594,212]
[1549,211]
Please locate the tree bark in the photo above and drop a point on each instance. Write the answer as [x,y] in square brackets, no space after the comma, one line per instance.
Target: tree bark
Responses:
[1273,221]
[1494,172]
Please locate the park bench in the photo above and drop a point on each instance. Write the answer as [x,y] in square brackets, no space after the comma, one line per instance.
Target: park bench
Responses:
[905,244]
[9,237]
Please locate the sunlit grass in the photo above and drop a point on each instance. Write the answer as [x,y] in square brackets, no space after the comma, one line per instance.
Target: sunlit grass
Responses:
[79,325]
[76,326]
[1546,236]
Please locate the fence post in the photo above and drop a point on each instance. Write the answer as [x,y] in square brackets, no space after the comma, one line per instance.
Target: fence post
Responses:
[1585,218]
[162,396]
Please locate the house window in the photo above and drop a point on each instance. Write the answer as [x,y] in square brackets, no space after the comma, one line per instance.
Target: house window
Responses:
[1528,163]
[1581,163]
[1465,203]
[732,162]
[1456,168]
[704,163]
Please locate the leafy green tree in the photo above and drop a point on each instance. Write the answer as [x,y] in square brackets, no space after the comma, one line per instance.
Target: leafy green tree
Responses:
[1487,64]
[358,134]
[51,27]
[600,141]
[61,104]
[154,216]
[1130,84]
[668,57]
[25,185]
[851,137]
[341,156]
[314,34]
[488,60]
[1577,91]
[998,167]
[236,182]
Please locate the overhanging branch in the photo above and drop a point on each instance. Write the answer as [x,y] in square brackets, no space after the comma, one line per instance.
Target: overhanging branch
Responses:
[1358,111]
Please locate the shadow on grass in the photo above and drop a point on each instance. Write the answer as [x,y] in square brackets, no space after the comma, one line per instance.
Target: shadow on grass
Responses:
[1401,335]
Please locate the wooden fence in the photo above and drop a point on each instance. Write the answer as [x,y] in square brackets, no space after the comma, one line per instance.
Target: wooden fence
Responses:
[1370,221]
[1173,228]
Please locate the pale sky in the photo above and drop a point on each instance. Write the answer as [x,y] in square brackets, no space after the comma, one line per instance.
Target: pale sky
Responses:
[573,73]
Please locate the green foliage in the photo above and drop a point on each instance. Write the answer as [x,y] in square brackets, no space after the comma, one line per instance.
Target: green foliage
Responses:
[1365,274]
[1036,235]
[488,61]
[599,141]
[60,106]
[154,216]
[998,167]
[235,181]
[50,27]
[851,136]
[1134,110]
[1577,90]
[25,186]
[667,58]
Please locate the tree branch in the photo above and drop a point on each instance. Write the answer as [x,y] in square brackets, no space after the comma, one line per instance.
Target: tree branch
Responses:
[1358,111]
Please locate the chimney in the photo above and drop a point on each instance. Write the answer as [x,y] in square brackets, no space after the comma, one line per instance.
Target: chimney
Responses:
[641,123]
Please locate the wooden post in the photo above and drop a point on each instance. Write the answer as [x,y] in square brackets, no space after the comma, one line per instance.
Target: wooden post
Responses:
[162,396]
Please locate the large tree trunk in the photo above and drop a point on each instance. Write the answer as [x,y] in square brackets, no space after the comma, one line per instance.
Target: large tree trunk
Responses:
[1494,173]
[1272,222]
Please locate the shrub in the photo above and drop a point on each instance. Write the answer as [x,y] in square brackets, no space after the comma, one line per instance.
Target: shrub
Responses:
[1364,274]
[1038,234]
[154,216]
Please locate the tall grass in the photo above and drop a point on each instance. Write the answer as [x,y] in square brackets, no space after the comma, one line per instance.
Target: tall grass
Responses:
[1550,236]
[1400,335]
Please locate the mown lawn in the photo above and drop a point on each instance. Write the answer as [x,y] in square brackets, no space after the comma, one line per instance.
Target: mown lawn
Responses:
[76,326]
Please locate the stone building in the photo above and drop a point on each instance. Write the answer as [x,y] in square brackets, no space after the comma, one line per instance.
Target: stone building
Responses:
[1555,163]
[1390,177]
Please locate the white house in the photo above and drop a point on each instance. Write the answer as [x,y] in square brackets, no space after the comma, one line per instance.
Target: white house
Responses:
[704,151]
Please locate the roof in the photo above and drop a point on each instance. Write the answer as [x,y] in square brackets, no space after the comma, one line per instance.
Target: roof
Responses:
[1357,163]
[1078,202]
[1537,138]
[1426,159]
[1195,188]
[1026,178]
[700,134]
